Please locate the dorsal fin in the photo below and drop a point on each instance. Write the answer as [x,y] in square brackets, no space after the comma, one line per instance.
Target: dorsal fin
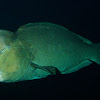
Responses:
[85,40]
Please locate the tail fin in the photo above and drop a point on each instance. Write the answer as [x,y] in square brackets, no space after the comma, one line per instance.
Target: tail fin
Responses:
[96,53]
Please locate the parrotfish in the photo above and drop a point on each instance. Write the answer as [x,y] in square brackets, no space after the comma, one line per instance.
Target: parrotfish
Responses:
[37,50]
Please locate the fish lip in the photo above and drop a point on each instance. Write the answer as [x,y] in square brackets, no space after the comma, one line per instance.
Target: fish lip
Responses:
[1,78]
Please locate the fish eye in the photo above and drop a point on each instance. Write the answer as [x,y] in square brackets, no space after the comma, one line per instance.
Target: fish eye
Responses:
[1,51]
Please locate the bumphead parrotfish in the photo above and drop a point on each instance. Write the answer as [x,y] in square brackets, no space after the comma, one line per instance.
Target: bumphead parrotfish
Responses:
[37,50]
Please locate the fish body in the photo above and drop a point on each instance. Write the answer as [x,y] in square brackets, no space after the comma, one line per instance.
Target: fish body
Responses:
[42,49]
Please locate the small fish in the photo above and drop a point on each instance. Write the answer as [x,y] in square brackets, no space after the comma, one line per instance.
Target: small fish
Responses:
[41,49]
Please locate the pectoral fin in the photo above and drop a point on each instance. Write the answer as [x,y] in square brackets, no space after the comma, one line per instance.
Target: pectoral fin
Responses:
[50,69]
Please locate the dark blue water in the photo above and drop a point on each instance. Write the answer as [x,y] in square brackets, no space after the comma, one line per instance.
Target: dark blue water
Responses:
[81,17]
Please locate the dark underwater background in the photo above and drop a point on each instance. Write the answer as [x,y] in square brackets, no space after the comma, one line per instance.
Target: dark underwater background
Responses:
[79,16]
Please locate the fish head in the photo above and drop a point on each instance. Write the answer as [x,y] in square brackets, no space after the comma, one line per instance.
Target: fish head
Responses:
[12,67]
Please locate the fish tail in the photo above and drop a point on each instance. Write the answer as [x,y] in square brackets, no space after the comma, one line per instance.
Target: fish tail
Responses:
[96,53]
